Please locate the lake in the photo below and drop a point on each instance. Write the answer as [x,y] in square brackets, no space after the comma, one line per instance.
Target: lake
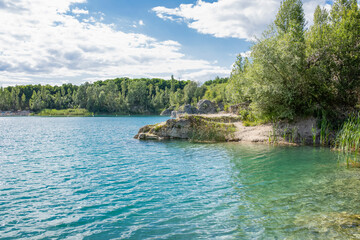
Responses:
[87,178]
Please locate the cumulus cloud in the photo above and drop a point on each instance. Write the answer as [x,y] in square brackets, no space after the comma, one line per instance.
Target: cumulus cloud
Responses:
[79,11]
[206,74]
[41,41]
[246,54]
[242,19]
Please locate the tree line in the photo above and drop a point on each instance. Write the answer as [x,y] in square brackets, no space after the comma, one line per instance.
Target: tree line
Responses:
[121,95]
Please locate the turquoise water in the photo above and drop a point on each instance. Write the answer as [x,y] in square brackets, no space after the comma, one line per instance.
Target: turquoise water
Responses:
[87,178]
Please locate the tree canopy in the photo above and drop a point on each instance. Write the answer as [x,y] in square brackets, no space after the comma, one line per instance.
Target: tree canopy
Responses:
[298,71]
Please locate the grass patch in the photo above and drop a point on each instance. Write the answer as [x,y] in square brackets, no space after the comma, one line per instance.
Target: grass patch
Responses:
[78,112]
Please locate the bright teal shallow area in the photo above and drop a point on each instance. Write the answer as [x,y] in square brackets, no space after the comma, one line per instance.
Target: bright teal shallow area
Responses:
[87,178]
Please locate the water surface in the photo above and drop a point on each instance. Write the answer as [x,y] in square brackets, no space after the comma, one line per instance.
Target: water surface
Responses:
[87,178]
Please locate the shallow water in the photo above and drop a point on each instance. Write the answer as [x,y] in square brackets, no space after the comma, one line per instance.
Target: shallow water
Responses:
[87,178]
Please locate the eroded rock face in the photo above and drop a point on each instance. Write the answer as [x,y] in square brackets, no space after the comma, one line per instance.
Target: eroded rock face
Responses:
[228,127]
[174,114]
[206,107]
[166,112]
[142,132]
[221,106]
[186,109]
[235,109]
[174,129]
[203,107]
[171,129]
[195,127]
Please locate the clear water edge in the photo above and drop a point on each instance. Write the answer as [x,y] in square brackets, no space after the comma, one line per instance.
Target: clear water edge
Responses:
[87,178]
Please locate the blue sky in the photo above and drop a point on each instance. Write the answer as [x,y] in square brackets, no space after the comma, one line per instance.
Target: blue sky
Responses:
[73,41]
[127,13]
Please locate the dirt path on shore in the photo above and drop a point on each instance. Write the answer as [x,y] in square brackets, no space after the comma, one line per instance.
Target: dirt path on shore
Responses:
[252,134]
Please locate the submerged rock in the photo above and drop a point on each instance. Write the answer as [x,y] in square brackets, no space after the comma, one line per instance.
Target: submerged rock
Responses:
[336,224]
[147,136]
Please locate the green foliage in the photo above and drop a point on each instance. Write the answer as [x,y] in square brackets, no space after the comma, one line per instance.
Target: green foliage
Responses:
[348,138]
[216,81]
[294,134]
[239,88]
[314,134]
[120,96]
[278,66]
[189,92]
[333,57]
[299,72]
[273,135]
[324,132]
[216,93]
[65,112]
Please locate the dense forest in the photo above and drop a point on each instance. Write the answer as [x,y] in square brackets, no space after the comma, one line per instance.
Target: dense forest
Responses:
[121,95]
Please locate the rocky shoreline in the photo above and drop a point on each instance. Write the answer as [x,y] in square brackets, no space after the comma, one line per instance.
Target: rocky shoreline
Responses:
[230,128]
[14,113]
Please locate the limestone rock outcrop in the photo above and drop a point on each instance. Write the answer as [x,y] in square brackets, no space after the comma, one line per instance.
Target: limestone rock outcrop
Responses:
[166,112]
[229,127]
[203,107]
[206,107]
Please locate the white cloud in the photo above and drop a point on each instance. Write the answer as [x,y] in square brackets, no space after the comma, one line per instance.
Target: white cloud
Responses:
[40,41]
[141,23]
[242,19]
[78,11]
[246,54]
[207,74]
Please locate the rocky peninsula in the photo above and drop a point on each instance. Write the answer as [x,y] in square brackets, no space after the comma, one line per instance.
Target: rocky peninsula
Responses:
[201,126]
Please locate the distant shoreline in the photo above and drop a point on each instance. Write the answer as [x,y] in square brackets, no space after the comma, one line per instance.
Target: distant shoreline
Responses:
[15,113]
[67,113]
